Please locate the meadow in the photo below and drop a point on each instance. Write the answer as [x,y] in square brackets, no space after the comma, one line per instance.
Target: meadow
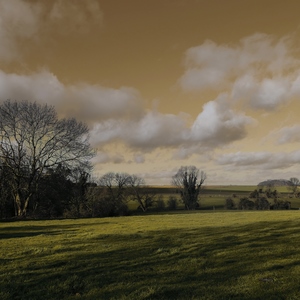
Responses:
[202,254]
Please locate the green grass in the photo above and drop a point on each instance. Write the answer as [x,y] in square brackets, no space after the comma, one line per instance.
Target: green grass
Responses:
[191,255]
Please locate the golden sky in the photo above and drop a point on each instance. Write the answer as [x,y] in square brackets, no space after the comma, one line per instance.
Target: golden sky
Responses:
[165,83]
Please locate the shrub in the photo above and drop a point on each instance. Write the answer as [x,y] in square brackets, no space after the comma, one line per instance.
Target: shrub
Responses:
[254,194]
[230,204]
[172,203]
[246,204]
[160,204]
[280,204]
[262,203]
[100,204]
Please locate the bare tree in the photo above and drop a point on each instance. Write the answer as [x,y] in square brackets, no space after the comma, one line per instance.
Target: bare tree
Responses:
[189,180]
[139,193]
[295,183]
[32,139]
[116,187]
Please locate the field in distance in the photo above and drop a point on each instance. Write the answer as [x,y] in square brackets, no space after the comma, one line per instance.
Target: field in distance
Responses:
[213,197]
[192,255]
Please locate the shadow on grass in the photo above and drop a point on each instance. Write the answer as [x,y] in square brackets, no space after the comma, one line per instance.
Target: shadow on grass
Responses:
[8,232]
[31,231]
[257,261]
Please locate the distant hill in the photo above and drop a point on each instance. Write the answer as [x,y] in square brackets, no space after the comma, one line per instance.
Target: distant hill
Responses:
[276,182]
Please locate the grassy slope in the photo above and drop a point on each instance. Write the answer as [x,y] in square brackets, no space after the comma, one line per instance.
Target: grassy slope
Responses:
[197,255]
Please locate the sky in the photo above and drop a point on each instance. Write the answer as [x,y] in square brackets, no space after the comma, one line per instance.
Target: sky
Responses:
[165,83]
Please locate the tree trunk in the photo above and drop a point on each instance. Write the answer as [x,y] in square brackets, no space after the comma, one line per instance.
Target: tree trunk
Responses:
[19,210]
[24,211]
[142,206]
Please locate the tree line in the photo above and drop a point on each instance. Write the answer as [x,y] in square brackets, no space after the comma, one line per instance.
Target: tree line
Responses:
[261,199]
[45,170]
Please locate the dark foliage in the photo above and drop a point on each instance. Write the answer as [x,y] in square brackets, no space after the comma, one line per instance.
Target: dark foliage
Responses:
[172,203]
[246,204]
[230,204]
[189,180]
[262,203]
[159,204]
[281,204]
[254,194]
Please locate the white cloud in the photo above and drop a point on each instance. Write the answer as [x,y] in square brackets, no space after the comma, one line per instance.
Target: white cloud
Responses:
[218,124]
[267,93]
[295,85]
[90,103]
[153,130]
[41,87]
[205,78]
[260,70]
[93,102]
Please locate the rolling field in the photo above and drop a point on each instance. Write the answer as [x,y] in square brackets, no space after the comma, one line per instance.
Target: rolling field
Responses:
[213,197]
[191,255]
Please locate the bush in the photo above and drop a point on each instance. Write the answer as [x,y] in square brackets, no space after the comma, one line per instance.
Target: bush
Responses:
[280,204]
[160,204]
[121,210]
[230,204]
[262,203]
[246,204]
[172,203]
[254,194]
[100,204]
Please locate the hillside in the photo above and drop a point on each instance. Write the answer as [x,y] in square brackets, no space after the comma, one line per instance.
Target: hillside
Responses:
[276,182]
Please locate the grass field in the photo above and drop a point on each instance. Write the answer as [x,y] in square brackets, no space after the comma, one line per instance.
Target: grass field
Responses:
[188,255]
[213,197]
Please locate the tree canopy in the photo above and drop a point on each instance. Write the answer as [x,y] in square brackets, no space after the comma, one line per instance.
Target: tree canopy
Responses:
[189,180]
[32,140]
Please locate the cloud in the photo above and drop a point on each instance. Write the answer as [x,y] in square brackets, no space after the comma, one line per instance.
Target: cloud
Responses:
[204,78]
[260,70]
[152,130]
[75,16]
[266,94]
[120,114]
[260,160]
[41,87]
[218,124]
[104,158]
[89,103]
[23,20]
[289,134]
[93,102]
[18,20]
[139,158]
